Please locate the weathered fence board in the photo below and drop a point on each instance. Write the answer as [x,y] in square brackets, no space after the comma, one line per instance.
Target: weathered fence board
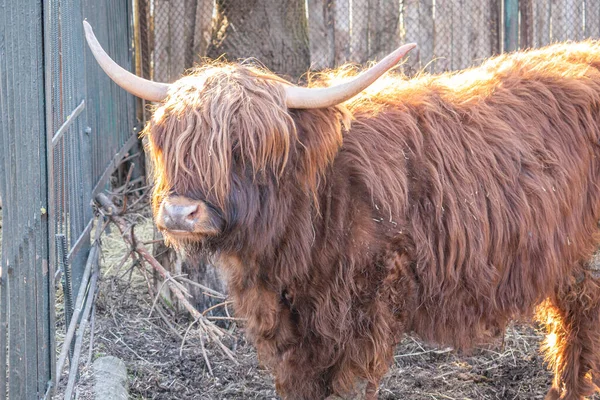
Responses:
[202,26]
[526,27]
[359,28]
[442,44]
[541,23]
[560,20]
[53,100]
[24,280]
[384,27]
[162,37]
[489,36]
[181,35]
[418,28]
[511,25]
[592,18]
[426,32]
[461,57]
[451,34]
[558,14]
[321,34]
[472,23]
[342,31]
[178,16]
[574,29]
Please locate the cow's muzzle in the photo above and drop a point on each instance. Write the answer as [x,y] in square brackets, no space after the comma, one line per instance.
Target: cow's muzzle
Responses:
[180,216]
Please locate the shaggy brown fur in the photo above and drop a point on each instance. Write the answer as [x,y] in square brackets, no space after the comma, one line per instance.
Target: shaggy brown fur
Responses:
[442,206]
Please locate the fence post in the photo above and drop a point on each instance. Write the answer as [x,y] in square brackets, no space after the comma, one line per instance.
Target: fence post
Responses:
[26,332]
[526,29]
[511,25]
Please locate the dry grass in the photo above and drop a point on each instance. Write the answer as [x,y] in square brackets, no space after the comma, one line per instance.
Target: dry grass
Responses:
[511,371]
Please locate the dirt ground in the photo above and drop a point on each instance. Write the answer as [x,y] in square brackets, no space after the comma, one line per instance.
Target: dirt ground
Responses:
[161,367]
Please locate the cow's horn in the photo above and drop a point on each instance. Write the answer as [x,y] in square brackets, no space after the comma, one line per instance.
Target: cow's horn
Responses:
[140,87]
[299,97]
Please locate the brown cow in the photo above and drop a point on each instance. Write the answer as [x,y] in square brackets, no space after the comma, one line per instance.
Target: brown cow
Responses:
[442,206]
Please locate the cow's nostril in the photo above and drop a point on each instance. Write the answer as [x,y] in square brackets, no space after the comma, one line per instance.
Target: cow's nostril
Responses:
[193,214]
[181,212]
[179,216]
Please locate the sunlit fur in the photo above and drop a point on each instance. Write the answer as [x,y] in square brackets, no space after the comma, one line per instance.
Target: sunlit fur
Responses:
[442,206]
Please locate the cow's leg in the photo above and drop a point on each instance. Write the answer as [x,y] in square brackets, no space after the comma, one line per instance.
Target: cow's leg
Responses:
[301,384]
[572,319]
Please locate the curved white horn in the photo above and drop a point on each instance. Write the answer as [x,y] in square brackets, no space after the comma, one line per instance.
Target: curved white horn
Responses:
[299,97]
[140,87]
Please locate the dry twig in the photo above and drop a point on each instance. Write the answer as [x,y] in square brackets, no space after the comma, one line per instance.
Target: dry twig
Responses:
[211,330]
[81,296]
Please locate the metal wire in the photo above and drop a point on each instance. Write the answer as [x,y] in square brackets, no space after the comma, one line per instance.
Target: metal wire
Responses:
[452,34]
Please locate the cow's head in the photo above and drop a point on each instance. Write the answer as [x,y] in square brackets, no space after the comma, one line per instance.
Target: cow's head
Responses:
[222,138]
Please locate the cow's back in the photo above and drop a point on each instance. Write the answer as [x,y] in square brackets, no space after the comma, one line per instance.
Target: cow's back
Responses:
[491,175]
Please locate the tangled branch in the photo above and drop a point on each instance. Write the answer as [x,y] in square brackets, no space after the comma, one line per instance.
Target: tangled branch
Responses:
[207,327]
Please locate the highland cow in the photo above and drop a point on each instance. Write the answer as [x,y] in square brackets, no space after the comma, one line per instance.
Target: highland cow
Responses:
[349,215]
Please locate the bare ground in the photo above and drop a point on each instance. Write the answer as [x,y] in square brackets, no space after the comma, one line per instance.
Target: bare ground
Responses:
[161,367]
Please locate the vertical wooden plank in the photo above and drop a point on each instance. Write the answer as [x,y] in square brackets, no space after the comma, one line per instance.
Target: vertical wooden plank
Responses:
[592,19]
[174,43]
[359,31]
[442,45]
[573,19]
[15,273]
[29,103]
[461,51]
[177,38]
[541,23]
[342,31]
[4,328]
[44,279]
[426,24]
[479,31]
[25,332]
[580,19]
[161,41]
[143,26]
[418,28]
[202,27]
[281,43]
[384,27]
[527,23]
[410,33]
[511,25]
[494,26]
[4,185]
[321,34]
[558,9]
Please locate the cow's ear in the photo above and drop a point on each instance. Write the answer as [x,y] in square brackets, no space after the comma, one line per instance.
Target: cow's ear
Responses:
[320,135]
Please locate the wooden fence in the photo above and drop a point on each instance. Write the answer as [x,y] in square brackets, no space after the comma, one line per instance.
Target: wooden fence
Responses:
[544,22]
[65,126]
[452,34]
